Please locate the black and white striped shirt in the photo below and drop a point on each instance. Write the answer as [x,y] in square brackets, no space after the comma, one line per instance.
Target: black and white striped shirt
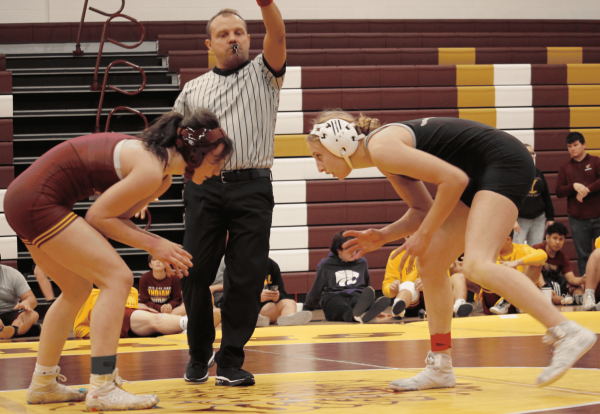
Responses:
[245,100]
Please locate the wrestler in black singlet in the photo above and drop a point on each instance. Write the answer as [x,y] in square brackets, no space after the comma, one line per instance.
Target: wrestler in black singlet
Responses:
[494,160]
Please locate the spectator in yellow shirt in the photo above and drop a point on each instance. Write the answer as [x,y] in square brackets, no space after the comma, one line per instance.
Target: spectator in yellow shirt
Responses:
[592,273]
[526,260]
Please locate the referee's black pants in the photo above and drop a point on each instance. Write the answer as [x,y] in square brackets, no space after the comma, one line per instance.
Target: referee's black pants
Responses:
[245,208]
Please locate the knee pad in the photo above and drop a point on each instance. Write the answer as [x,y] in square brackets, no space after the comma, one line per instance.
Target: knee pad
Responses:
[410,286]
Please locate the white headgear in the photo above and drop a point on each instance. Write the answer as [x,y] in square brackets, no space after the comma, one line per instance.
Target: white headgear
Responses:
[339,137]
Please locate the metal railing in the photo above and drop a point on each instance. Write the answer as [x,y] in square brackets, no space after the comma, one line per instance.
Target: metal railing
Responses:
[114,88]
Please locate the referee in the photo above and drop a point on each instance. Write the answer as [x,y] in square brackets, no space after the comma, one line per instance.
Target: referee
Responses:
[244,95]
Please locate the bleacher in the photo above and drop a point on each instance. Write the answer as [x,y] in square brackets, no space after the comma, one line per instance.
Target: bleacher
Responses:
[536,79]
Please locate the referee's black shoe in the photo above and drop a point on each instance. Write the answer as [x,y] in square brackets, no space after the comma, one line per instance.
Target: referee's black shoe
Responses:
[197,372]
[234,377]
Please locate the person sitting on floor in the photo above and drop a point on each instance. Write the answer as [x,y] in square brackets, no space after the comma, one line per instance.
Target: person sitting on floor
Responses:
[17,304]
[44,283]
[342,288]
[216,289]
[525,259]
[460,286]
[592,275]
[557,272]
[274,304]
[160,291]
[400,287]
[136,322]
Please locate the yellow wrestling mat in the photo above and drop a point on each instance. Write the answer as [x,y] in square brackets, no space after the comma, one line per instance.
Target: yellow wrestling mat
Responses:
[473,327]
[478,390]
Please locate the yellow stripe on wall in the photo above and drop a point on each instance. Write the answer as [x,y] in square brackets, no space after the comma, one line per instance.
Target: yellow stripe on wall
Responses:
[485,116]
[474,75]
[584,73]
[476,97]
[592,137]
[585,117]
[456,56]
[584,95]
[562,55]
[291,146]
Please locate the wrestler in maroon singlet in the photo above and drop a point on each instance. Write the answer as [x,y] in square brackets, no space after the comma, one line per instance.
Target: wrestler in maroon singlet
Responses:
[39,203]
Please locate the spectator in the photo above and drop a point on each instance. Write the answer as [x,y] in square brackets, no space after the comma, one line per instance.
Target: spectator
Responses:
[342,288]
[460,286]
[537,211]
[136,322]
[400,287]
[17,304]
[216,289]
[44,283]
[274,305]
[579,181]
[525,259]
[557,272]
[592,276]
[160,291]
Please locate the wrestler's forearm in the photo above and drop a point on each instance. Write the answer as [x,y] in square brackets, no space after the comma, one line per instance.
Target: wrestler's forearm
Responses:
[447,197]
[124,231]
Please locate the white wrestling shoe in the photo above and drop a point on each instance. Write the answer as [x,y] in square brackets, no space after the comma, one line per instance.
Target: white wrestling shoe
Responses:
[262,321]
[462,308]
[298,318]
[106,394]
[437,374]
[589,301]
[45,389]
[570,341]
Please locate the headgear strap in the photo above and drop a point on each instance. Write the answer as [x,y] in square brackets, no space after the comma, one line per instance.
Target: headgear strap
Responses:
[189,145]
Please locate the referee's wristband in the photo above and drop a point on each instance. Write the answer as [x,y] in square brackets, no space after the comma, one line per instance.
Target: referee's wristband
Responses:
[264,3]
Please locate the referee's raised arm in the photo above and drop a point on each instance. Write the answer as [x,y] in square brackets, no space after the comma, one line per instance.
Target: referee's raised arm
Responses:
[274,43]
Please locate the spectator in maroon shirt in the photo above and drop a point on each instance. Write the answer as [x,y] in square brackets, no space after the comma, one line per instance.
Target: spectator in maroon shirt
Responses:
[579,181]
[557,271]
[159,291]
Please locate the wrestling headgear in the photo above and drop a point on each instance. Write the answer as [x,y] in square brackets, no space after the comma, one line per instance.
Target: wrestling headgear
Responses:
[339,137]
[193,145]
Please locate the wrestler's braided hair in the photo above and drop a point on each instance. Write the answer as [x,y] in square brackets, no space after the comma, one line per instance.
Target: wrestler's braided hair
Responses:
[162,134]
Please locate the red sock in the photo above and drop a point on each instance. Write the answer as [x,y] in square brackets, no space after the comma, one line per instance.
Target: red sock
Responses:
[441,342]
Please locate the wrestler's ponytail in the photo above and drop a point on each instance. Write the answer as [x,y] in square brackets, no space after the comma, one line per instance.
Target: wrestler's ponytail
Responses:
[163,132]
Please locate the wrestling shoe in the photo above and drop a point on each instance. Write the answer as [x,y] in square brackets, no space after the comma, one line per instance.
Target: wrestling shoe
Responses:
[298,318]
[462,308]
[570,342]
[379,306]
[566,300]
[233,377]
[197,372]
[501,307]
[438,373]
[107,394]
[366,299]
[45,389]
[262,321]
[589,301]
[578,299]
[398,308]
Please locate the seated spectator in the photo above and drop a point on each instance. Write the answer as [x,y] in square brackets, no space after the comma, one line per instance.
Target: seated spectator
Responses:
[460,286]
[217,286]
[274,305]
[342,288]
[136,322]
[159,291]
[525,259]
[17,304]
[400,287]
[44,283]
[557,272]
[592,276]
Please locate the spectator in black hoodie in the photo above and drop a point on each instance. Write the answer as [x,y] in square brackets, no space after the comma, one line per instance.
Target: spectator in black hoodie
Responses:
[537,212]
[342,288]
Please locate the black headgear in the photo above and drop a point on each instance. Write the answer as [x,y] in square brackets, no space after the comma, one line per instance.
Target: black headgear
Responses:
[189,144]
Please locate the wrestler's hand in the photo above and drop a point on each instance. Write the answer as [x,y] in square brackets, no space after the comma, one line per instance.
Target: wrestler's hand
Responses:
[176,260]
[395,287]
[415,247]
[142,213]
[363,242]
[23,305]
